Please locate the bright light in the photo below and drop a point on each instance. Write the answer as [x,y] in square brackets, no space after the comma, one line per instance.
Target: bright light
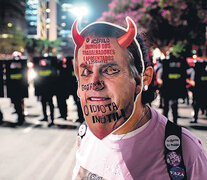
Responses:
[48,10]
[9,24]
[79,11]
[43,62]
[30,65]
[32,74]
[5,36]
[16,54]
[194,56]
[158,54]
[63,24]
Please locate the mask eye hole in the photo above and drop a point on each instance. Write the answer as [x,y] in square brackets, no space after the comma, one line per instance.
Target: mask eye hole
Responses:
[86,72]
[111,70]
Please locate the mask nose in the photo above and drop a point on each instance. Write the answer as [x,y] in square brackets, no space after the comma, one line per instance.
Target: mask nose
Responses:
[99,85]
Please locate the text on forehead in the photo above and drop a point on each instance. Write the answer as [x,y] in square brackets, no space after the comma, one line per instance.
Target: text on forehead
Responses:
[98,46]
[100,40]
[98,52]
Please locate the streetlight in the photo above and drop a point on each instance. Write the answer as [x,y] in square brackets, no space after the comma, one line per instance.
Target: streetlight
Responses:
[80,11]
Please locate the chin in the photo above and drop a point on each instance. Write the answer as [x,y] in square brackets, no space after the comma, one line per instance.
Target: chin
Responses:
[101,131]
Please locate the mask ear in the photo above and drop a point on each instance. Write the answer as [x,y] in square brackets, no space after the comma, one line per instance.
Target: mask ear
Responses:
[147,77]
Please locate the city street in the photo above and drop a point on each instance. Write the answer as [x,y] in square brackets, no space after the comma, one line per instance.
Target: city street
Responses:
[110,49]
[34,151]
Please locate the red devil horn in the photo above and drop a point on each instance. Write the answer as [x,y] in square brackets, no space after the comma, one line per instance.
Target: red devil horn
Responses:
[125,40]
[77,38]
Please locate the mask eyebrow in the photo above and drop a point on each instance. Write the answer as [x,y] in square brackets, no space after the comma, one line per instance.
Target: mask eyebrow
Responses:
[83,65]
[109,64]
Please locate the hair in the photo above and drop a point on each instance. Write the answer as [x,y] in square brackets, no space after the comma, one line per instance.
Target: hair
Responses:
[100,29]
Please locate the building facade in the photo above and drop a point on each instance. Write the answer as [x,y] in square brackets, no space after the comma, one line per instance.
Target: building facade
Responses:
[41,16]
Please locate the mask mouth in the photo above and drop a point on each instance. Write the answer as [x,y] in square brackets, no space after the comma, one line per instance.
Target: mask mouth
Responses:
[98,99]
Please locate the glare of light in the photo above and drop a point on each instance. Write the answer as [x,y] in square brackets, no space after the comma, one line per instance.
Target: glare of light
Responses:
[48,20]
[22,49]
[17,54]
[156,53]
[194,56]
[47,26]
[5,36]
[9,24]
[32,74]
[79,11]
[43,62]
[63,24]
[30,65]
[63,17]
[48,10]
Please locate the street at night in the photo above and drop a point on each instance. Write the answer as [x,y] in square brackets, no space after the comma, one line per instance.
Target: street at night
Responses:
[34,151]
[100,90]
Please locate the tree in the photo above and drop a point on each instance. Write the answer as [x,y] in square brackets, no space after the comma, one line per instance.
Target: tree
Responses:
[12,41]
[164,22]
[38,47]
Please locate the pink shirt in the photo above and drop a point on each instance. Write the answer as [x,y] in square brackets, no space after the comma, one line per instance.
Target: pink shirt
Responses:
[138,155]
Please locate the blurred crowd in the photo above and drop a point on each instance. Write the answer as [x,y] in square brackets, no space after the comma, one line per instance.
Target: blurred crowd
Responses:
[51,76]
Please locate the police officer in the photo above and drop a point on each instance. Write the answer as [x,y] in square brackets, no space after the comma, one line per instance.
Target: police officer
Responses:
[17,84]
[63,86]
[172,77]
[45,83]
[199,91]
[73,89]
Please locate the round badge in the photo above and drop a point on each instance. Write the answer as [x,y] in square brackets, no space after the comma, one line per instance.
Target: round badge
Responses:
[82,130]
[172,142]
[173,158]
[177,173]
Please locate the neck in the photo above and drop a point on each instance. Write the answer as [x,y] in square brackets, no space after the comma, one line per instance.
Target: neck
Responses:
[140,116]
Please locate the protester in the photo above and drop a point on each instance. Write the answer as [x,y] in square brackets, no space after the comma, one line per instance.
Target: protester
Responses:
[124,138]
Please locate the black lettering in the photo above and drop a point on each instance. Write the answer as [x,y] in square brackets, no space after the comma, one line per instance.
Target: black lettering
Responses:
[108,105]
[103,119]
[109,117]
[94,108]
[102,108]
[114,106]
[93,119]
[97,118]
[122,114]
[86,112]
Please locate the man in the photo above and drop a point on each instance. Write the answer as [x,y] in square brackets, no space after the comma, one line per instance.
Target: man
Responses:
[124,138]
[172,73]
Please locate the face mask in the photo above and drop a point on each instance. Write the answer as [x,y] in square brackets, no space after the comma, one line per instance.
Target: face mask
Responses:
[106,88]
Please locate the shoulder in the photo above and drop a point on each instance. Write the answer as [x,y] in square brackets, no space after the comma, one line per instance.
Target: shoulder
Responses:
[195,157]
[192,146]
